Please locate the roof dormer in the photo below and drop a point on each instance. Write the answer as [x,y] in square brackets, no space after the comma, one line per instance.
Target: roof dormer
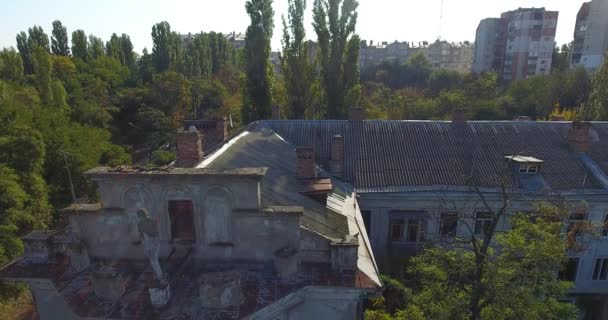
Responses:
[525,164]
[527,170]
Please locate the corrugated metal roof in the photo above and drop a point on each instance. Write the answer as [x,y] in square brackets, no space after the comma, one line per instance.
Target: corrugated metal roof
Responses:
[424,153]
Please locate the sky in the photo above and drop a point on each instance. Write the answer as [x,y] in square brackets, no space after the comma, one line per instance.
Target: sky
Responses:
[379,20]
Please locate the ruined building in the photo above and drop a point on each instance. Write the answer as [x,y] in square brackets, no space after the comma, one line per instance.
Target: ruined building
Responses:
[247,228]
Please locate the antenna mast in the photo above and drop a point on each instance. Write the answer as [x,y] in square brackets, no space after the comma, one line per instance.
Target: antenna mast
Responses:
[440,21]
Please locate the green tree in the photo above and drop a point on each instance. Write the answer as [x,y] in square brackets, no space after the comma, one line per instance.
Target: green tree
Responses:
[59,40]
[96,48]
[162,46]
[80,45]
[37,38]
[42,74]
[334,23]
[298,73]
[259,75]
[561,58]
[443,79]
[476,280]
[24,51]
[596,107]
[11,65]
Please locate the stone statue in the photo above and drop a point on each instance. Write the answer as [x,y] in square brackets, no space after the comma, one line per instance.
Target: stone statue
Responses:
[148,231]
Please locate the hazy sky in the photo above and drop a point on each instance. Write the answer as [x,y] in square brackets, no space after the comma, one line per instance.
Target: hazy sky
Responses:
[379,20]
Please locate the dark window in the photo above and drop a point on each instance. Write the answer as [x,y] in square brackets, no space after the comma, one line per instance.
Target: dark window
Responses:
[568,270]
[448,225]
[600,271]
[181,214]
[397,230]
[605,227]
[408,226]
[367,219]
[483,222]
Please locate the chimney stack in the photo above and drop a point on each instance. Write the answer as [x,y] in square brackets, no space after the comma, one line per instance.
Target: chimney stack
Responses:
[189,148]
[305,162]
[276,112]
[579,137]
[356,114]
[337,155]
[459,116]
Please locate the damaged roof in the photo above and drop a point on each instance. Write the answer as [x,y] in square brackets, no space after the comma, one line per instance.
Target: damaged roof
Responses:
[384,154]
[259,146]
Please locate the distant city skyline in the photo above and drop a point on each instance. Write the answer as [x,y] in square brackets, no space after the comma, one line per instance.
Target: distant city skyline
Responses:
[379,20]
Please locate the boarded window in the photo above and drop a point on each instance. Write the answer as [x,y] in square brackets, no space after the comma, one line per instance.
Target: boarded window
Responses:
[181,213]
[449,223]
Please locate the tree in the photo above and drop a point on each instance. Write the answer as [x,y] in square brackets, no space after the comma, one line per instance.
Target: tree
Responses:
[561,58]
[259,76]
[161,49]
[37,38]
[11,65]
[298,73]
[59,40]
[476,280]
[24,51]
[334,23]
[96,48]
[42,74]
[596,107]
[444,79]
[80,45]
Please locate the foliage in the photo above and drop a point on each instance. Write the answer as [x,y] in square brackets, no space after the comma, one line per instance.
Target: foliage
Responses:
[597,106]
[298,71]
[258,70]
[492,275]
[162,157]
[59,40]
[334,22]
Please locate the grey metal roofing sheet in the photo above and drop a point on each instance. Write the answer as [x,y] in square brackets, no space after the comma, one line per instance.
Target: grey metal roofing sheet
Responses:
[423,153]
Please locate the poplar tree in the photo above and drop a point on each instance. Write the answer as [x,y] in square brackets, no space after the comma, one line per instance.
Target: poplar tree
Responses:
[298,73]
[334,22]
[259,77]
[59,40]
[80,45]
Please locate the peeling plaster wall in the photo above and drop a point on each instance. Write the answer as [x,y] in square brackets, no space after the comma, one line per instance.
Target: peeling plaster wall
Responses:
[228,221]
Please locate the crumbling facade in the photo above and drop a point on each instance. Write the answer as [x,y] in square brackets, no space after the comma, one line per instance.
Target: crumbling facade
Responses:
[201,239]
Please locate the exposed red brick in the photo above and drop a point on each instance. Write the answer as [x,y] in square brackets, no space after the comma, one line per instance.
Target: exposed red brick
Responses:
[305,162]
[189,149]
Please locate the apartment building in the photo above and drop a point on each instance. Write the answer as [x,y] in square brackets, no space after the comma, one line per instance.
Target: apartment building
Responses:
[451,56]
[518,45]
[591,35]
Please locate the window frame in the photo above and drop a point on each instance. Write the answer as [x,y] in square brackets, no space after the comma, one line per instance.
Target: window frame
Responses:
[562,273]
[406,219]
[173,207]
[603,265]
[444,218]
[483,221]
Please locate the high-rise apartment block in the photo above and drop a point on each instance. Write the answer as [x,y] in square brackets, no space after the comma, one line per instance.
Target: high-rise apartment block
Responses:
[590,35]
[517,45]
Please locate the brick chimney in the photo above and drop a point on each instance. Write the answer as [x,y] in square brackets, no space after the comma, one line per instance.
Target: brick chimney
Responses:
[337,155]
[579,137]
[305,162]
[459,116]
[189,148]
[276,112]
[356,114]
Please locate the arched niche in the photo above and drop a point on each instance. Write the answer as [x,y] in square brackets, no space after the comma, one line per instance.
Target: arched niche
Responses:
[179,213]
[218,216]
